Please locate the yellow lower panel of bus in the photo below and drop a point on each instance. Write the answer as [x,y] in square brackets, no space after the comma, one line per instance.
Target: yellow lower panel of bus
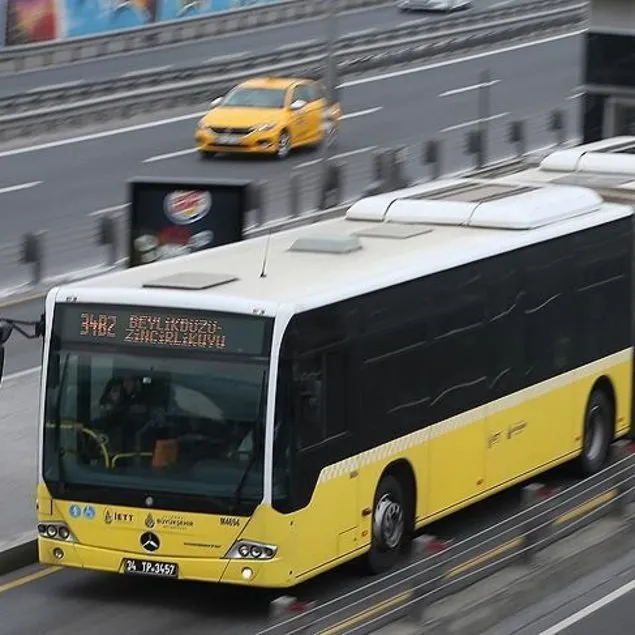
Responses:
[454,462]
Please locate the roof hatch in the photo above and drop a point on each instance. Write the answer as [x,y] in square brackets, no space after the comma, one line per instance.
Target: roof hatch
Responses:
[327,244]
[191,281]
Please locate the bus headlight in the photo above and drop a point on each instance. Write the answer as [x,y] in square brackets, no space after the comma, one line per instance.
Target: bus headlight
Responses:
[55,531]
[250,550]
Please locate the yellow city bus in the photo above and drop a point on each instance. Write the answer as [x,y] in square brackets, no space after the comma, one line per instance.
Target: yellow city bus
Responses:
[262,412]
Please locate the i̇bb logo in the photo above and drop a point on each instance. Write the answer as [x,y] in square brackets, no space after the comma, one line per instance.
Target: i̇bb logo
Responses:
[187,206]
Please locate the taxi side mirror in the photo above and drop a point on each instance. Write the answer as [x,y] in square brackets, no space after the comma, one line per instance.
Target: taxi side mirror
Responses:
[298,104]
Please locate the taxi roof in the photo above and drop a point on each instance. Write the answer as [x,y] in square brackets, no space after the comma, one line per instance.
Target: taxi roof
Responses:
[273,82]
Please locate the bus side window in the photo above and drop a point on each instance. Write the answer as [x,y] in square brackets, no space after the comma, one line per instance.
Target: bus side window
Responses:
[308,381]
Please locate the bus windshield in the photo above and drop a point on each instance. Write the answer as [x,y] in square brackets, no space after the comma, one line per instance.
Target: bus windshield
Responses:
[155,423]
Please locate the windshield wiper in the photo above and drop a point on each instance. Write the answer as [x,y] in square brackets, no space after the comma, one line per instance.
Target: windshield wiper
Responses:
[61,469]
[259,440]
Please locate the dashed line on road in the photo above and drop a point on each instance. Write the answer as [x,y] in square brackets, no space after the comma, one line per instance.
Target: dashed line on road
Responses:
[342,155]
[40,89]
[475,122]
[467,89]
[21,186]
[145,71]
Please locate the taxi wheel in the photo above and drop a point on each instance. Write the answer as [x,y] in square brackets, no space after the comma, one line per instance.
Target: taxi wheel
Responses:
[284,145]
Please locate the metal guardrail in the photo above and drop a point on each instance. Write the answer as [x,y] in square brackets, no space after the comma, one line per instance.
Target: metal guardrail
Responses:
[348,47]
[546,517]
[352,60]
[15,59]
[95,242]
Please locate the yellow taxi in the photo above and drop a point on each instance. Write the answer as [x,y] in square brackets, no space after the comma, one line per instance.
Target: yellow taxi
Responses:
[269,115]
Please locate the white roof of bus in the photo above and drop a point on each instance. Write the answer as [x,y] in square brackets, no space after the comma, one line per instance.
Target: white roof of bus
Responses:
[414,235]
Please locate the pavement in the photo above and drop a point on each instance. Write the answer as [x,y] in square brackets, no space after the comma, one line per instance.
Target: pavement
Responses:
[212,49]
[601,603]
[60,185]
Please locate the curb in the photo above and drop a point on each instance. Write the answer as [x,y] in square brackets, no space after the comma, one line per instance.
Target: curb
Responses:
[602,542]
[18,556]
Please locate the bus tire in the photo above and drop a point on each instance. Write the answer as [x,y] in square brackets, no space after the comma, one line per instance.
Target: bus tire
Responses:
[389,533]
[597,433]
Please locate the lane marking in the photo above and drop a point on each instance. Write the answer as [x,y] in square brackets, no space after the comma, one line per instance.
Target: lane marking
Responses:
[40,89]
[169,155]
[361,113]
[22,373]
[292,45]
[502,3]
[575,96]
[32,577]
[181,153]
[342,155]
[459,60]
[359,32]
[228,57]
[589,610]
[475,122]
[107,210]
[21,186]
[467,89]
[355,82]
[145,71]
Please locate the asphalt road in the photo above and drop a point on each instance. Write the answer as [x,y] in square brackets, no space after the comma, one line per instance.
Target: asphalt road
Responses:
[70,602]
[60,185]
[602,603]
[213,49]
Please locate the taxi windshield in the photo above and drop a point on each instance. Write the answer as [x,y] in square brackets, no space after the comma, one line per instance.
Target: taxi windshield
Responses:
[167,424]
[254,98]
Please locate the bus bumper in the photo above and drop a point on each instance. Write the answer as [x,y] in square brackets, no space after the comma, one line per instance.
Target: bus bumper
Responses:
[240,572]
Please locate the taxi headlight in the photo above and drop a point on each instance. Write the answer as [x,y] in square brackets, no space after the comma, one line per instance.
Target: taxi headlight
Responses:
[264,127]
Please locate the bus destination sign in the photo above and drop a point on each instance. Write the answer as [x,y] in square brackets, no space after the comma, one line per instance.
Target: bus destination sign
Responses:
[192,330]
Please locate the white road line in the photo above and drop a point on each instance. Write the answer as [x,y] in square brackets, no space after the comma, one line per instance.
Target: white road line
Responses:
[361,113]
[21,186]
[108,210]
[475,122]
[40,89]
[575,96]
[180,153]
[359,32]
[355,82]
[342,155]
[145,71]
[592,608]
[459,60]
[22,373]
[227,57]
[170,155]
[502,3]
[292,45]
[467,89]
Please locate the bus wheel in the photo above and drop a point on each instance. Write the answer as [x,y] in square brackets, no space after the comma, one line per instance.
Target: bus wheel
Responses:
[598,431]
[389,532]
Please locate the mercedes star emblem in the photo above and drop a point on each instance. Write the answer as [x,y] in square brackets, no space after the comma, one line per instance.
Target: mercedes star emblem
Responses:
[149,541]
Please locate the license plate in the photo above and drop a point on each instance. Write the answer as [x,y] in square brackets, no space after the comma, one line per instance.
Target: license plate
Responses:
[228,139]
[145,567]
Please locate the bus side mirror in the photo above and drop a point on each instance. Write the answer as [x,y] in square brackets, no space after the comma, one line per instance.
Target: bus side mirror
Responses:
[6,328]
[1,361]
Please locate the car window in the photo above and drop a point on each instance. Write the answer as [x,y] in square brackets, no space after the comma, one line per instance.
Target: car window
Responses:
[302,92]
[315,91]
[244,97]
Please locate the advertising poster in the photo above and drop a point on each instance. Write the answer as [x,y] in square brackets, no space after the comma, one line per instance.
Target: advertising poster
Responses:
[92,17]
[177,9]
[174,217]
[30,21]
